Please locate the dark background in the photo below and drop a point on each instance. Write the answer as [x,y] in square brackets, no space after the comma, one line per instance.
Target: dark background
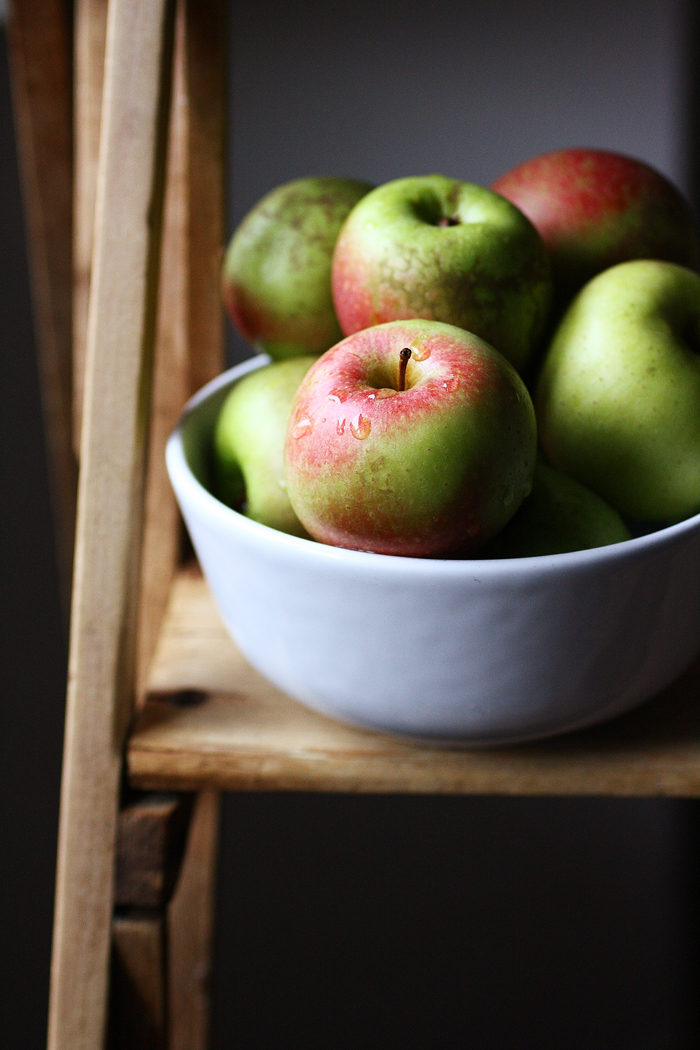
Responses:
[488,923]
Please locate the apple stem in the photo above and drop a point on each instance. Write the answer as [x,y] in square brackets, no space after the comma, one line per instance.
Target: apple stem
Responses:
[403,361]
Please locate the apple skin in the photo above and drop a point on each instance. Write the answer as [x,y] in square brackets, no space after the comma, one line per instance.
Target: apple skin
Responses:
[559,515]
[618,398]
[248,448]
[436,248]
[595,209]
[440,465]
[275,281]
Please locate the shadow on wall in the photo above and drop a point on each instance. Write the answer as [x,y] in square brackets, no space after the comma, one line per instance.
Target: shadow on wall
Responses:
[31,648]
[488,923]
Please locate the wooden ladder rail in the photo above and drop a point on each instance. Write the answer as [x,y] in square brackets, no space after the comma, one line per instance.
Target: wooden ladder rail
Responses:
[126,261]
[40,57]
[121,328]
[189,352]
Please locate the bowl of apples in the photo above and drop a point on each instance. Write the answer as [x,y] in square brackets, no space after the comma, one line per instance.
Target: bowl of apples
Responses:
[417,529]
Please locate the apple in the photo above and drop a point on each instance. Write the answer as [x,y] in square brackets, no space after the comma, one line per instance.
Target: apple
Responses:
[410,438]
[559,515]
[275,281]
[618,398]
[436,248]
[595,209]
[249,444]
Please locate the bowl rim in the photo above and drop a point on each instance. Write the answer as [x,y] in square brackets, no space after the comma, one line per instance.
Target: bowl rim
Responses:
[184,481]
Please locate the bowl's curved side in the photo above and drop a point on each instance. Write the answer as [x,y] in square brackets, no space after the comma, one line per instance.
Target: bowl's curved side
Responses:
[483,652]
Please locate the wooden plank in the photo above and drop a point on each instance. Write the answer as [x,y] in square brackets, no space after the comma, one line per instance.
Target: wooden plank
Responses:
[206,155]
[39,52]
[246,735]
[119,352]
[88,71]
[189,352]
[191,931]
[138,1009]
[149,857]
[162,537]
[151,839]
[190,332]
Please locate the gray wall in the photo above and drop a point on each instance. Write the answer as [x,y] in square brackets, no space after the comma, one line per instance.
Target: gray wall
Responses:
[378,90]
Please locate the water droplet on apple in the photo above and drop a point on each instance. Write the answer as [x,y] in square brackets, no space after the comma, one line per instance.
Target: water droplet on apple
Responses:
[360,428]
[420,354]
[338,396]
[301,429]
[384,392]
[451,385]
[340,427]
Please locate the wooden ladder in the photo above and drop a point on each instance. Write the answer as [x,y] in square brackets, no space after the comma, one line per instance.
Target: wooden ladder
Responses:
[159,698]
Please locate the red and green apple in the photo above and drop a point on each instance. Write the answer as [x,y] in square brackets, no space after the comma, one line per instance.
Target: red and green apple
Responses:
[410,438]
[444,250]
[276,279]
[594,209]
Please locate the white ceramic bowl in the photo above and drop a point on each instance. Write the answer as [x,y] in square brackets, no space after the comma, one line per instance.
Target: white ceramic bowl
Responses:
[479,652]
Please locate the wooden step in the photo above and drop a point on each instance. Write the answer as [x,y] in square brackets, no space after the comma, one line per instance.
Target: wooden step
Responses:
[211,720]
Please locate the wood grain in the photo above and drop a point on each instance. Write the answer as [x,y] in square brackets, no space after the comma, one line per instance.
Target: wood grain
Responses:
[206,39]
[198,192]
[90,30]
[190,333]
[189,352]
[191,930]
[138,1009]
[246,735]
[39,52]
[151,839]
[117,382]
[162,537]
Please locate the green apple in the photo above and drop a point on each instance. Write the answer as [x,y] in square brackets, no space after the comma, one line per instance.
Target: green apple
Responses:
[249,444]
[618,398]
[436,248]
[412,438]
[276,275]
[559,515]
